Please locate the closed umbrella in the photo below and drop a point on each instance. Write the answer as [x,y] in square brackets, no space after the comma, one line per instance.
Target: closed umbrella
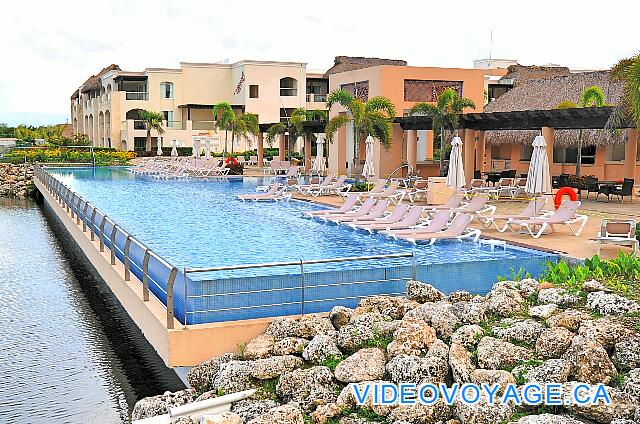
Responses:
[455,176]
[539,178]
[159,151]
[196,147]
[174,150]
[207,148]
[318,164]
[368,170]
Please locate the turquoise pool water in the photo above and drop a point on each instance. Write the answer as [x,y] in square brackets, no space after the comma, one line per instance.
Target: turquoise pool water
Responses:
[201,224]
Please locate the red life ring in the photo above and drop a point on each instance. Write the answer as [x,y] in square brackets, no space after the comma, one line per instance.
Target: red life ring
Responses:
[565,190]
[231,160]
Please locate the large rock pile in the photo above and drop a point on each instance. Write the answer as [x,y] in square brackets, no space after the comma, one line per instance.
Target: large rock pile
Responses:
[15,180]
[518,333]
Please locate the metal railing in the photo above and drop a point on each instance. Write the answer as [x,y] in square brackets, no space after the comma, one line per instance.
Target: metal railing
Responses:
[122,245]
[316,98]
[137,95]
[203,125]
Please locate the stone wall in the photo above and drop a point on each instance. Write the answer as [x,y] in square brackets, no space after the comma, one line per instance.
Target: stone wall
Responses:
[16,180]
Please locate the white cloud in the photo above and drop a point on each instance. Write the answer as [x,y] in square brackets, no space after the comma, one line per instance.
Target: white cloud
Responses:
[50,48]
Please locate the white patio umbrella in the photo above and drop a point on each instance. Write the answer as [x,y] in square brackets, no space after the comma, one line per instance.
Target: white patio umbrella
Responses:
[318,164]
[539,178]
[196,148]
[455,176]
[174,150]
[299,143]
[368,170]
[159,150]
[207,148]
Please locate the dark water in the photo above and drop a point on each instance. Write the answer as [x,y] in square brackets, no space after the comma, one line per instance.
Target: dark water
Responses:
[68,351]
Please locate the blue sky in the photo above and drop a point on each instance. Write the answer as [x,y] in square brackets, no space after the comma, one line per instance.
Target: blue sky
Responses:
[49,48]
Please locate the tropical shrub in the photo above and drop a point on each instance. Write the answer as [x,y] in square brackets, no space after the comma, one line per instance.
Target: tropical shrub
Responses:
[103,157]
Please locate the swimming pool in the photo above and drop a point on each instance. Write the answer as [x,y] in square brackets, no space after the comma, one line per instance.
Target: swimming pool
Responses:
[201,224]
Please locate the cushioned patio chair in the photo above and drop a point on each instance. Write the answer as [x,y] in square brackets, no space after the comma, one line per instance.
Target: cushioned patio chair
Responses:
[618,231]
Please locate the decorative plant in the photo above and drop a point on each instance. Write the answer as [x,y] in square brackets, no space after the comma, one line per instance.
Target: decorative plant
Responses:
[627,72]
[445,115]
[590,97]
[373,117]
[244,125]
[222,116]
[152,121]
[295,126]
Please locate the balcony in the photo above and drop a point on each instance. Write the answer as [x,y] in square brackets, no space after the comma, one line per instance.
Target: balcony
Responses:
[176,125]
[316,98]
[137,95]
[203,125]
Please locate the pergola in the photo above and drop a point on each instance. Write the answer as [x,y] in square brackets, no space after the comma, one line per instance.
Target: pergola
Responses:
[473,125]
[313,126]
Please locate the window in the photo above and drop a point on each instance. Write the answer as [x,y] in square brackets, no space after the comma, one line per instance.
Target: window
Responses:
[285,114]
[358,90]
[253,91]
[526,151]
[168,116]
[615,153]
[570,155]
[166,90]
[288,86]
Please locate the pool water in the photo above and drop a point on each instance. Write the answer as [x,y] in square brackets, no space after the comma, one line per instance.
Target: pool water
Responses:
[197,223]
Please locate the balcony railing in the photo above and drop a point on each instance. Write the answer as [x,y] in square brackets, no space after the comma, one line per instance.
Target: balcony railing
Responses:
[317,98]
[288,92]
[137,95]
[177,125]
[203,125]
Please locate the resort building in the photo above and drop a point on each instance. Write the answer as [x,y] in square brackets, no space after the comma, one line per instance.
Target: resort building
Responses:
[106,107]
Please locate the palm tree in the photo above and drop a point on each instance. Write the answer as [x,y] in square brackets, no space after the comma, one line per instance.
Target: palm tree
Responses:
[444,114]
[627,72]
[373,117]
[296,125]
[590,97]
[152,121]
[223,116]
[243,125]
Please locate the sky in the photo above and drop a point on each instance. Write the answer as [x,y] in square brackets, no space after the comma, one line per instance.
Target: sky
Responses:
[49,48]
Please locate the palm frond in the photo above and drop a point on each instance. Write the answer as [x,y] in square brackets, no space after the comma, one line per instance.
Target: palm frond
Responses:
[461,103]
[340,97]
[592,97]
[427,109]
[446,98]
[273,131]
[334,124]
[380,127]
[223,115]
[381,104]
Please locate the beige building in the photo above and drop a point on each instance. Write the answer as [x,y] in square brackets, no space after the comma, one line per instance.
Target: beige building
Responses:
[106,106]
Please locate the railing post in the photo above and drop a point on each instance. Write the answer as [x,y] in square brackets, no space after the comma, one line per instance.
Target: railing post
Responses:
[127,264]
[112,239]
[84,217]
[73,197]
[301,287]
[170,282]
[78,208]
[186,294]
[414,266]
[92,226]
[145,275]
[101,235]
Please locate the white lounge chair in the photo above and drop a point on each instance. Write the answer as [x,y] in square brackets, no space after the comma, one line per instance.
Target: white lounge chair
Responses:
[361,211]
[275,193]
[438,223]
[336,187]
[393,218]
[458,229]
[347,206]
[476,206]
[533,208]
[565,215]
[377,211]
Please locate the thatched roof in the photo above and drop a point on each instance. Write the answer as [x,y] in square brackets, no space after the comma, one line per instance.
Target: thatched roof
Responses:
[523,73]
[350,63]
[93,82]
[546,93]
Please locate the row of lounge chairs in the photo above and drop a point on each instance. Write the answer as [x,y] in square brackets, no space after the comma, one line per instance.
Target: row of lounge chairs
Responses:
[506,188]
[181,167]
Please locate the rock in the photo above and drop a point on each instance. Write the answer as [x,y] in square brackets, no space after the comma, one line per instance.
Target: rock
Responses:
[543,311]
[551,371]
[285,414]
[498,354]
[622,406]
[528,286]
[479,413]
[544,285]
[352,419]
[569,319]
[340,316]
[249,409]
[234,376]
[201,376]
[308,387]
[459,296]
[607,331]
[547,419]
[420,413]
[347,399]
[467,336]
[632,384]
[553,342]
[589,361]
[260,347]
[158,405]
[504,301]
[491,377]
[207,395]
[559,296]
[460,363]
[324,412]
[364,365]
[626,354]
[267,368]
[185,420]
[414,369]
[283,327]
[470,312]
[320,348]
[224,418]
[595,286]
[439,350]
[423,292]
[388,306]
[611,304]
[289,346]
[516,330]
[363,328]
[413,337]
[438,315]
